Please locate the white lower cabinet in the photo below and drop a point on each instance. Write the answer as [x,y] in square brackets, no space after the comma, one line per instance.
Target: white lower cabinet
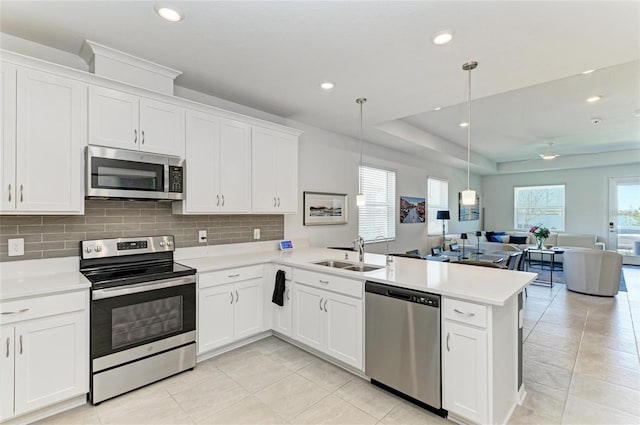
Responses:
[45,356]
[230,304]
[282,320]
[328,321]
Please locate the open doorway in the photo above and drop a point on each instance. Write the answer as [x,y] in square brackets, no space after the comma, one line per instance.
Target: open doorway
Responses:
[624,218]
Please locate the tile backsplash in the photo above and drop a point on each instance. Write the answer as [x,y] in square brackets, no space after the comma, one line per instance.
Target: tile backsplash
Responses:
[59,236]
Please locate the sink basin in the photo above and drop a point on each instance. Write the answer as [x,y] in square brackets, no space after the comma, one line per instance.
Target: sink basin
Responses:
[333,263]
[362,268]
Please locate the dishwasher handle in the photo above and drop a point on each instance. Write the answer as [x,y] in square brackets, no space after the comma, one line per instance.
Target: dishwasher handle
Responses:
[399,295]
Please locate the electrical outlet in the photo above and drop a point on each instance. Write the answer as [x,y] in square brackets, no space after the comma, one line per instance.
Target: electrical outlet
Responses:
[256,233]
[202,236]
[16,247]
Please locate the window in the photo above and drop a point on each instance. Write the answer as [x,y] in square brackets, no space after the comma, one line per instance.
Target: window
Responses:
[378,216]
[539,205]
[438,199]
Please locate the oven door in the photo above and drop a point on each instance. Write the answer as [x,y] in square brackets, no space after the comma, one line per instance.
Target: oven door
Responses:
[133,321]
[119,173]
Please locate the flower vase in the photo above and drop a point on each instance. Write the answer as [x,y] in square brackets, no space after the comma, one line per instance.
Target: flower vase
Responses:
[539,242]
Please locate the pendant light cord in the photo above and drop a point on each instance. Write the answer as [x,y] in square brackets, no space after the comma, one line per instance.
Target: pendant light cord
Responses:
[469,133]
[360,169]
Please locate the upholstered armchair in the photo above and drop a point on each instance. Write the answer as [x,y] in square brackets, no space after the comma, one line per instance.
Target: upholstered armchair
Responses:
[592,271]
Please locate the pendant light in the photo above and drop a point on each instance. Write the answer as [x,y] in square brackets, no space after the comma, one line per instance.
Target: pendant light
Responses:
[361,199]
[469,196]
[549,153]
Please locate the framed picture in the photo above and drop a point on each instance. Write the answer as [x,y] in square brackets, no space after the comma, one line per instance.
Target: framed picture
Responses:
[468,212]
[324,208]
[412,209]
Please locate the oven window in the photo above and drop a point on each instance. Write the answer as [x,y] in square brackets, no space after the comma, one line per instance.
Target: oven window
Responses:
[135,323]
[109,173]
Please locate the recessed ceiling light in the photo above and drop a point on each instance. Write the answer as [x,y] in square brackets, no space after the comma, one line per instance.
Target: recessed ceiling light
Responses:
[463,124]
[588,71]
[438,108]
[327,86]
[170,15]
[442,37]
[593,99]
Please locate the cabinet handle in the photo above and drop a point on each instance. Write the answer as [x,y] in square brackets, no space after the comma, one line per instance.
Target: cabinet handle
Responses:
[223,200]
[135,136]
[325,306]
[278,201]
[24,310]
[20,344]
[9,192]
[142,136]
[234,275]
[463,313]
[231,293]
[288,295]
[21,193]
[448,336]
[320,304]
[237,296]
[8,342]
[217,200]
[274,201]
[324,282]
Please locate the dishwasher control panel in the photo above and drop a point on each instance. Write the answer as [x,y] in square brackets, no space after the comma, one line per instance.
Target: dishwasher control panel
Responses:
[403,294]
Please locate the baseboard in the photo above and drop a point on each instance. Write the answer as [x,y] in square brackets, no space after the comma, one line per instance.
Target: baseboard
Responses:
[48,411]
[236,344]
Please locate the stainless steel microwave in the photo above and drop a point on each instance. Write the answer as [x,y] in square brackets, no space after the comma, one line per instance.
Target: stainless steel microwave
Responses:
[119,173]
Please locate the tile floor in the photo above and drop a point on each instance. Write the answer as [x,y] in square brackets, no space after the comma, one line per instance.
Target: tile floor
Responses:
[580,367]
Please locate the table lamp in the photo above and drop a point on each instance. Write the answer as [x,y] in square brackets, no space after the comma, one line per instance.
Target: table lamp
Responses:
[478,234]
[464,237]
[443,215]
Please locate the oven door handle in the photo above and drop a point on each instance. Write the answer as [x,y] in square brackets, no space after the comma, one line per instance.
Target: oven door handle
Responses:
[141,287]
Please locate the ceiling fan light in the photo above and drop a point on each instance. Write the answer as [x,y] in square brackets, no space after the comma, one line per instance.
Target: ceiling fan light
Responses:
[361,200]
[468,197]
[548,156]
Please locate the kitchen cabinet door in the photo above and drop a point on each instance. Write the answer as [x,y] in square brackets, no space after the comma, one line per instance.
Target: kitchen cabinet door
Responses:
[51,360]
[344,329]
[247,308]
[309,319]
[215,315]
[287,174]
[6,371]
[51,135]
[202,157]
[161,128]
[264,164]
[7,138]
[113,118]
[282,317]
[465,373]
[235,167]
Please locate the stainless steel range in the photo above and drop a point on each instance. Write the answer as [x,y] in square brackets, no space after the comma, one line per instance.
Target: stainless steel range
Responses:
[143,313]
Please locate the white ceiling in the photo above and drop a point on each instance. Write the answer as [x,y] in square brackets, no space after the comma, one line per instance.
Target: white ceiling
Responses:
[273,56]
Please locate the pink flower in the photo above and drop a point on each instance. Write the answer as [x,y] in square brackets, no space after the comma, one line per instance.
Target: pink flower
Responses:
[533,229]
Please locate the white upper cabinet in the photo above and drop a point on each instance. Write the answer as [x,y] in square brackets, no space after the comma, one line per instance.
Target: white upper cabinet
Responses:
[43,138]
[218,165]
[122,120]
[274,182]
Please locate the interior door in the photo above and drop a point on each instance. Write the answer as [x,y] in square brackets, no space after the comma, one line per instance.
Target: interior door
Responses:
[624,218]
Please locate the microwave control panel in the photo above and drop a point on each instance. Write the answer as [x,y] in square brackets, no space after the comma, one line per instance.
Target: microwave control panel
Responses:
[176,179]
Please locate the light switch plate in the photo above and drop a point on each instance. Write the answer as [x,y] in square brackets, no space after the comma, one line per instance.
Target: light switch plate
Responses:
[16,247]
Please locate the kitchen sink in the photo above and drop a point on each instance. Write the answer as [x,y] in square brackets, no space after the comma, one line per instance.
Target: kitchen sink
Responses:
[347,266]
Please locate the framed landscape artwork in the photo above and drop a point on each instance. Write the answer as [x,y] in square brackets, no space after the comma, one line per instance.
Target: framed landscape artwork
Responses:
[412,209]
[324,208]
[468,212]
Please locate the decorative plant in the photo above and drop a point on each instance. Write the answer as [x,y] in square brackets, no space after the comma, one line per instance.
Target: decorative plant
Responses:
[541,233]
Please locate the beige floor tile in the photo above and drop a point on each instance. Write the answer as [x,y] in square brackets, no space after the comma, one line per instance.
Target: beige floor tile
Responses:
[549,356]
[595,368]
[369,398]
[210,396]
[292,357]
[83,415]
[248,411]
[289,397]
[268,345]
[526,416]
[143,407]
[564,321]
[545,374]
[567,344]
[326,375]
[409,414]
[612,357]
[335,411]
[601,392]
[579,411]
[553,329]
[255,371]
[545,401]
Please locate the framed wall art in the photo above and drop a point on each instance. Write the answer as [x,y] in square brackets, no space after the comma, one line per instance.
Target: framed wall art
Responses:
[324,208]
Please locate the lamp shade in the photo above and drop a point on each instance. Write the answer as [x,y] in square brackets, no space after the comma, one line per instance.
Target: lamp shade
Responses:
[463,236]
[443,215]
[468,197]
[478,233]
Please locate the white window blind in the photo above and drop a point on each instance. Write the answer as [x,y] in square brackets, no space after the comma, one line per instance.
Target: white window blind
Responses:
[539,205]
[378,216]
[438,199]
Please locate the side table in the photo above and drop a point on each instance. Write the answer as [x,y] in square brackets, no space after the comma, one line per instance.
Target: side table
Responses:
[552,255]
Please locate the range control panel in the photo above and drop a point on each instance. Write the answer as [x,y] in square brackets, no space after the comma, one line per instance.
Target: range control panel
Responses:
[132,245]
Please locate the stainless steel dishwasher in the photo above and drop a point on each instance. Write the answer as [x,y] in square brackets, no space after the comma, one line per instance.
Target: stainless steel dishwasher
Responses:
[402,342]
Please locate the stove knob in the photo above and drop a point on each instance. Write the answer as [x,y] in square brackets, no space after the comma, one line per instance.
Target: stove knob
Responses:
[169,243]
[161,243]
[88,250]
[97,248]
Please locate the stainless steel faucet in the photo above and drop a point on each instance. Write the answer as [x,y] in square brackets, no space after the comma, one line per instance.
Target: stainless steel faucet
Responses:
[358,244]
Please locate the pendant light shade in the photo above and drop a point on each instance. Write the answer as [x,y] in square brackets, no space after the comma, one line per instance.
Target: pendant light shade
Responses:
[361,199]
[469,195]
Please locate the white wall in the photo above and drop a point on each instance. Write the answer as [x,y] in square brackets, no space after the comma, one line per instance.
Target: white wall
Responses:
[586,196]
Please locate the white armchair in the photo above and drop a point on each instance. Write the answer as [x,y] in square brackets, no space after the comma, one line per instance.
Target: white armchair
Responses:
[592,271]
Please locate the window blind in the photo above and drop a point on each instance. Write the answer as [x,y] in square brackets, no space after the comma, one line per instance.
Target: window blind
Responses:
[438,199]
[378,216]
